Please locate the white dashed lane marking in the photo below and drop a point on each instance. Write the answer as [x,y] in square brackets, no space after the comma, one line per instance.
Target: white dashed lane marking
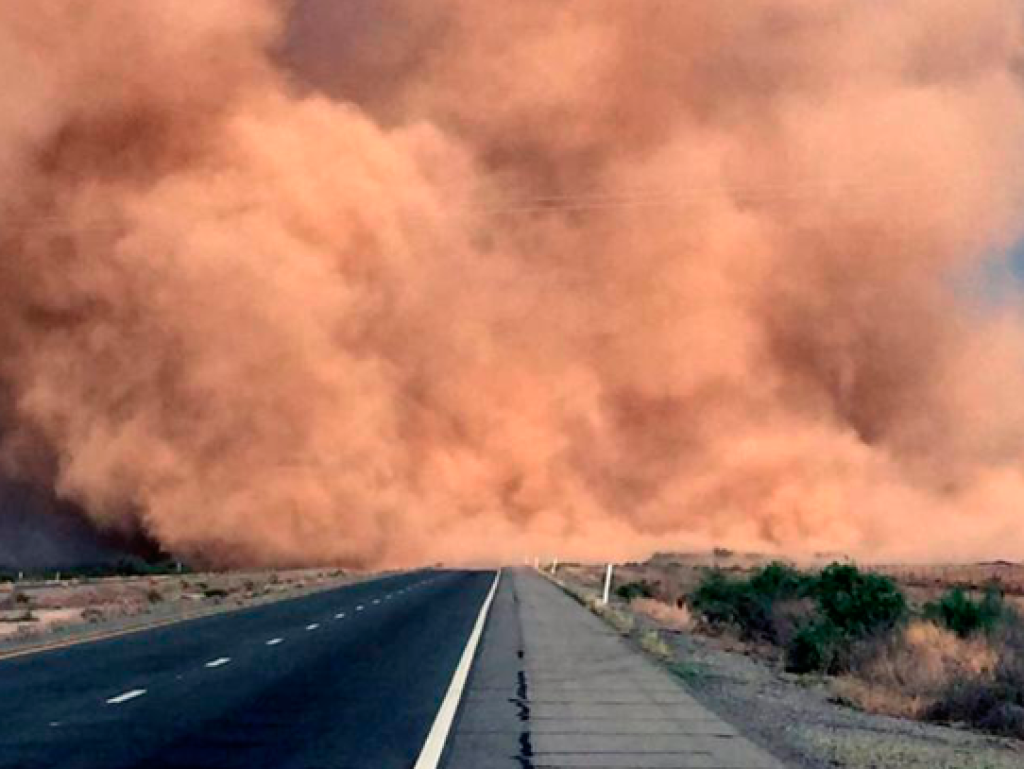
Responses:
[376,601]
[314,626]
[340,616]
[219,662]
[122,698]
[359,608]
[274,641]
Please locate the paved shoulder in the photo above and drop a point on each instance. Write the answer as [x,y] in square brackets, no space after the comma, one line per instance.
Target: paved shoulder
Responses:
[555,687]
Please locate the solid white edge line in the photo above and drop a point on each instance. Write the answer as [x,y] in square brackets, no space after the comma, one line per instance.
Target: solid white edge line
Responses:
[126,696]
[433,748]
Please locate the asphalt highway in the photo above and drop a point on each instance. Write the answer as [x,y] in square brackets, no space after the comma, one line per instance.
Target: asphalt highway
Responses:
[350,678]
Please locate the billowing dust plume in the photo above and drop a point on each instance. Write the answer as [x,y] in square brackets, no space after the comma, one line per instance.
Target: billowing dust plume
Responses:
[404,280]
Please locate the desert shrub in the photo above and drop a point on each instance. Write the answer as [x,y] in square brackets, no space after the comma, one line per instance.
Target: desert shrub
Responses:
[905,673]
[215,592]
[851,607]
[991,705]
[722,600]
[781,581]
[652,642]
[932,672]
[815,647]
[749,603]
[788,616]
[620,620]
[858,603]
[632,590]
[667,615]
[964,616]
[817,619]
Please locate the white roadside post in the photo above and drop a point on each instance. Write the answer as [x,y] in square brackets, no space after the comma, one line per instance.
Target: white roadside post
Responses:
[607,584]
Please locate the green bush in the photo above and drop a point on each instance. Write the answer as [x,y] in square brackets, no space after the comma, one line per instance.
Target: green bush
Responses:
[779,581]
[722,600]
[965,616]
[815,648]
[858,603]
[848,605]
[632,590]
[748,603]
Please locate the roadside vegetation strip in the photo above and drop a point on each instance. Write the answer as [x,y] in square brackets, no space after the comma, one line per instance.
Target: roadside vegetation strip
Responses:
[955,659]
[433,748]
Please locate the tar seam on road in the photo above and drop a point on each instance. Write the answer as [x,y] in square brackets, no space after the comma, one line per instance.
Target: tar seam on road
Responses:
[433,748]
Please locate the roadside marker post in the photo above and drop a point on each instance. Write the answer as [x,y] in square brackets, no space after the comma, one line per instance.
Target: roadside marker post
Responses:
[607,584]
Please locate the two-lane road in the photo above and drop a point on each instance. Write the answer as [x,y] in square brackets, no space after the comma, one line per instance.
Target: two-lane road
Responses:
[351,677]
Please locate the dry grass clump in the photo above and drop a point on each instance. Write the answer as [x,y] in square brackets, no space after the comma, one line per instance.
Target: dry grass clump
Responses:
[620,620]
[652,642]
[672,617]
[994,703]
[908,672]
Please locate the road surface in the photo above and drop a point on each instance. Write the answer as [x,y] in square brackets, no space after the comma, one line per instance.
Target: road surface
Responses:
[350,678]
